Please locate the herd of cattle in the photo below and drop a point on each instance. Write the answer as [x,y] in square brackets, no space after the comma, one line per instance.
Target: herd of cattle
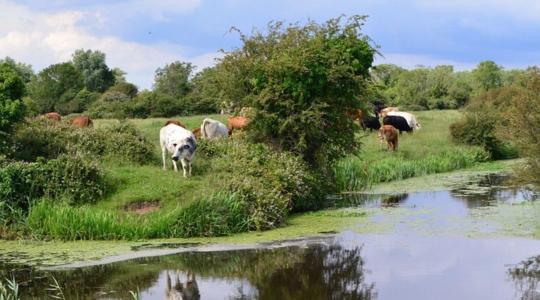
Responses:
[176,139]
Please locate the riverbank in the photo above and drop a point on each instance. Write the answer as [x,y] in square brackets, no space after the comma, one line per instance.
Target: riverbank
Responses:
[505,219]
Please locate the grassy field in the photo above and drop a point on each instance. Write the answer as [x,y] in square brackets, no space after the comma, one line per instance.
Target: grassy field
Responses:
[426,151]
[166,194]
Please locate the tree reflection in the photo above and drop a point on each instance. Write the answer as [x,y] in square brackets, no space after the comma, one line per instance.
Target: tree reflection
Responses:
[325,272]
[526,277]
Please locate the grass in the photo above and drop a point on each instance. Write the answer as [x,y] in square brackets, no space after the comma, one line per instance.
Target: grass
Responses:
[426,151]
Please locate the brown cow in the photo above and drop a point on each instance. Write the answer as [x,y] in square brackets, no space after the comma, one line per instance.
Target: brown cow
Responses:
[237,123]
[82,121]
[53,116]
[197,133]
[390,134]
[175,122]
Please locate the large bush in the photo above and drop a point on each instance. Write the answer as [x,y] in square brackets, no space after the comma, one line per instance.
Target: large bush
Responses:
[483,115]
[301,81]
[522,124]
[75,178]
[42,138]
[11,91]
[270,183]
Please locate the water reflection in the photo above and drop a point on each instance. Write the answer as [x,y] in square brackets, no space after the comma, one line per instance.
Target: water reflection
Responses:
[526,277]
[320,271]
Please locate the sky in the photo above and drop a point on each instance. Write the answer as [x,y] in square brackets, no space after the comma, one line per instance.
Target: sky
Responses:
[139,36]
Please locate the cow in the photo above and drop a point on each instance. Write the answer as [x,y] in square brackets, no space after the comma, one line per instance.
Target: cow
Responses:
[384,112]
[181,143]
[53,116]
[371,123]
[197,133]
[175,122]
[411,119]
[82,121]
[187,291]
[212,129]
[237,123]
[378,106]
[400,123]
[390,134]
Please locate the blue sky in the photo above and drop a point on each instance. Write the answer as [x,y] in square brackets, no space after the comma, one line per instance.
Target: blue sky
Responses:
[141,35]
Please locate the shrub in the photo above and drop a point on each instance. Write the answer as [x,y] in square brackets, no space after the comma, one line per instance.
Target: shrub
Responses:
[479,129]
[42,138]
[75,178]
[301,81]
[271,183]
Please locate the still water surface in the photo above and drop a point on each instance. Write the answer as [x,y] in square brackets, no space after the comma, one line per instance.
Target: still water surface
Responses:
[399,265]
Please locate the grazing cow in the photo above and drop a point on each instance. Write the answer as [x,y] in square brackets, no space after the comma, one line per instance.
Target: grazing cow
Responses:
[389,133]
[400,123]
[197,133]
[53,116]
[212,129]
[384,112]
[187,291]
[237,123]
[82,121]
[175,122]
[371,123]
[181,143]
[411,119]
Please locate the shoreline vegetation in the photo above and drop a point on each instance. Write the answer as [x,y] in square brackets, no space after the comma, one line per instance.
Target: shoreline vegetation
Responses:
[53,253]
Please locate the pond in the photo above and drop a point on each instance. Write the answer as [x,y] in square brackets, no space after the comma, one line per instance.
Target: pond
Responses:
[401,264]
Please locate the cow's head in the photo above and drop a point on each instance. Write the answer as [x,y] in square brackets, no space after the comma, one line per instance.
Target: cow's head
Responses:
[183,148]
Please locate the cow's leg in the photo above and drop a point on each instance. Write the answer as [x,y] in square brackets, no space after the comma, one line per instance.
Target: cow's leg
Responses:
[175,166]
[163,154]
[185,166]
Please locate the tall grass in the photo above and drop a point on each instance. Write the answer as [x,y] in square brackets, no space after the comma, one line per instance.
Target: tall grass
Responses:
[353,173]
[218,215]
[9,290]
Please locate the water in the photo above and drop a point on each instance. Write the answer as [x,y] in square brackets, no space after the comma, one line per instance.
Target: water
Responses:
[401,264]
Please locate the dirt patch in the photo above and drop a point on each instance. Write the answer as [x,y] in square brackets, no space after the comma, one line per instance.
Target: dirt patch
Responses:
[142,207]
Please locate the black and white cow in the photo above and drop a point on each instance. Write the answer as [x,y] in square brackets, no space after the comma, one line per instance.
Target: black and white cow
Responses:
[399,122]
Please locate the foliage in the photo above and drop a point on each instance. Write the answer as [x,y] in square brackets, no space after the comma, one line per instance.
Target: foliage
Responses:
[42,138]
[97,77]
[9,290]
[173,79]
[487,75]
[71,177]
[205,96]
[23,70]
[482,115]
[11,91]
[55,86]
[301,81]
[522,121]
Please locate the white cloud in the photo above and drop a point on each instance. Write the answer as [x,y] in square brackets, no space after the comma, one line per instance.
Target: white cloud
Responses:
[42,39]
[410,61]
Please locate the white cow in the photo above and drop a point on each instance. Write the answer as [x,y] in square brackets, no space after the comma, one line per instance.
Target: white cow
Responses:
[212,129]
[411,119]
[181,143]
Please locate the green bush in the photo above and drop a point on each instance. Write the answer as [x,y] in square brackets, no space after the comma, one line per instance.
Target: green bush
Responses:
[479,129]
[301,82]
[74,178]
[42,138]
[271,183]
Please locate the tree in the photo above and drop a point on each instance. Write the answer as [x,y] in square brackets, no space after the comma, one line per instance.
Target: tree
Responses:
[55,86]
[206,94]
[96,74]
[23,70]
[11,91]
[487,75]
[301,82]
[173,79]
